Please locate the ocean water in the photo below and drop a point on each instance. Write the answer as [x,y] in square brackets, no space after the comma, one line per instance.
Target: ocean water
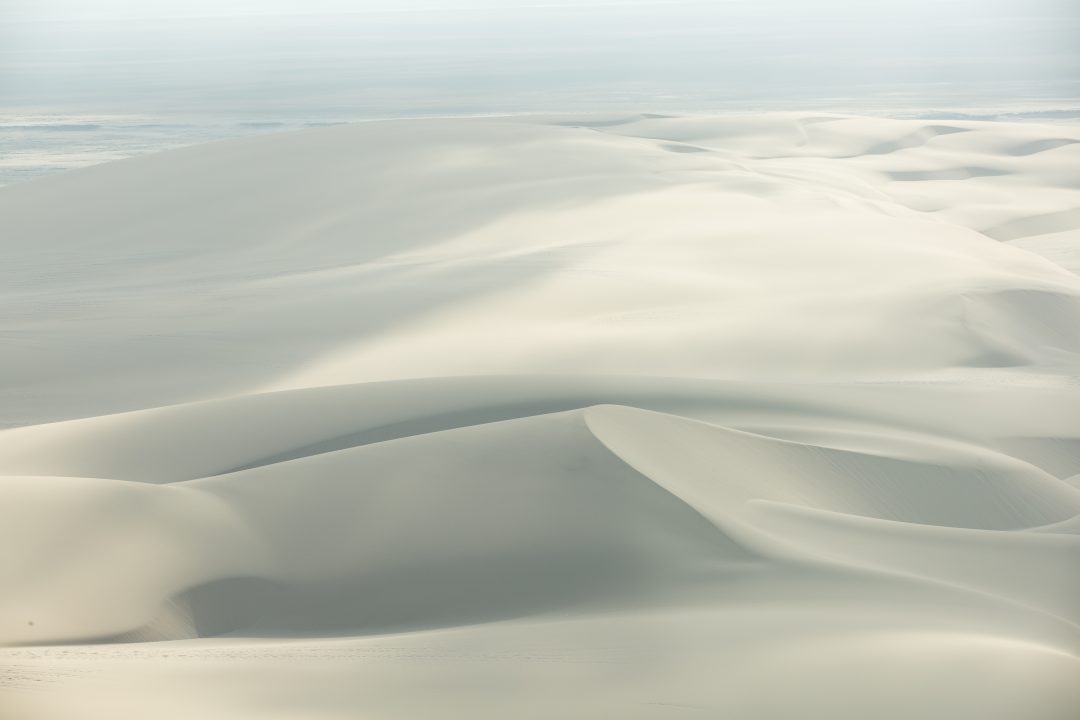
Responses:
[34,146]
[83,83]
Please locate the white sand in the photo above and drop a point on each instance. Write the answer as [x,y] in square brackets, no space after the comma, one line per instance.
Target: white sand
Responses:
[639,417]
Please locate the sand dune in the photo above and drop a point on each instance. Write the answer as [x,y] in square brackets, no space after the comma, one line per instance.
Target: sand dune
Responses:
[640,416]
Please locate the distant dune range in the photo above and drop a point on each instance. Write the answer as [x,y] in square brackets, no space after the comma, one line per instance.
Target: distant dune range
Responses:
[750,416]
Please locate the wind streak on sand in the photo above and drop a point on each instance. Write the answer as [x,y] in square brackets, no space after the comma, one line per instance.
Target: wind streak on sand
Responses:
[743,416]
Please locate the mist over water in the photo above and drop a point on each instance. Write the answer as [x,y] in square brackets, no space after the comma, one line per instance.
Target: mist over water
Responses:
[83,83]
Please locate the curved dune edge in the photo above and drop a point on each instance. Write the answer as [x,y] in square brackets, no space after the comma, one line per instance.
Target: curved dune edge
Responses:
[635,416]
[393,250]
[188,441]
[540,513]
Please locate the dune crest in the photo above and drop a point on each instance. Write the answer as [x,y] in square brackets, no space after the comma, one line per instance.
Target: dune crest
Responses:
[634,415]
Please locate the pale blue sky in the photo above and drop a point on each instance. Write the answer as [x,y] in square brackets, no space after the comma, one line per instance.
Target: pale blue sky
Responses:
[125,76]
[420,56]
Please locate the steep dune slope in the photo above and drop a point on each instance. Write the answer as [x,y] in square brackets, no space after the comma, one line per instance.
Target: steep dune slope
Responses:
[461,247]
[506,519]
[641,416]
[182,442]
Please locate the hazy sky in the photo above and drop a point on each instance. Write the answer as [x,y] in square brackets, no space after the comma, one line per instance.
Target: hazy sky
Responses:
[382,58]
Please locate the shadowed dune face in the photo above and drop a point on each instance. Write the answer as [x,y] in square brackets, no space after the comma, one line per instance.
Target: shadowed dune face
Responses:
[634,244]
[748,416]
[1038,146]
[581,509]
